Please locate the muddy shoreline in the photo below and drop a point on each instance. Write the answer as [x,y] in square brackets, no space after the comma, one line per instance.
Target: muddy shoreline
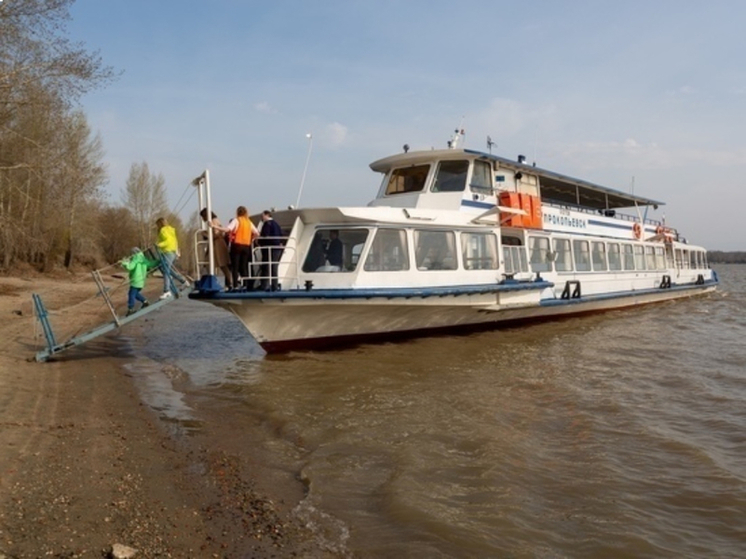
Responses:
[85,464]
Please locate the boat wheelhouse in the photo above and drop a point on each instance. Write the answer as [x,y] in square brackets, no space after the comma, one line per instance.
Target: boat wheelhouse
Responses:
[456,239]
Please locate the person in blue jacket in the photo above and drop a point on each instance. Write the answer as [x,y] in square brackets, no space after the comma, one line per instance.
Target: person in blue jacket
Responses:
[270,239]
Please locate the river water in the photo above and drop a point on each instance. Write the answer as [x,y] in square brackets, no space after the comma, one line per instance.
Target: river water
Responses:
[616,435]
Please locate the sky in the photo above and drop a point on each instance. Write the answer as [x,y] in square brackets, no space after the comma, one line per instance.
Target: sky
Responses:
[648,96]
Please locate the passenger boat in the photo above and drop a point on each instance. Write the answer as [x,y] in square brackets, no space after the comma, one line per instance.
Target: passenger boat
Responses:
[456,239]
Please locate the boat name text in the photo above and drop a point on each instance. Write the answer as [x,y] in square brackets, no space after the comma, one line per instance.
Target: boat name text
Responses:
[565,221]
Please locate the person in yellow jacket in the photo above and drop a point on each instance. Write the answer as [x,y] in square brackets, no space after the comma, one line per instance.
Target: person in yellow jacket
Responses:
[168,244]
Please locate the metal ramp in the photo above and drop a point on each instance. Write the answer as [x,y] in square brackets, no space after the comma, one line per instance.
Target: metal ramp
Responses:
[53,347]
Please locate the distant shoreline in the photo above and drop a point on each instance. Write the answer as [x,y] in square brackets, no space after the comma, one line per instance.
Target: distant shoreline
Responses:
[726,257]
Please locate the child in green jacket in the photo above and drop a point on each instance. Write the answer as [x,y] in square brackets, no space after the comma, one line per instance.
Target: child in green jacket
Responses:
[137,266]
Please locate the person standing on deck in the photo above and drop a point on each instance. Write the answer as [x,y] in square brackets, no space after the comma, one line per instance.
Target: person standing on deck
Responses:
[242,234]
[168,244]
[270,241]
[220,248]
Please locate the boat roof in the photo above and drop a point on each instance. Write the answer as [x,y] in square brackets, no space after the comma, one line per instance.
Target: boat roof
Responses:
[555,187]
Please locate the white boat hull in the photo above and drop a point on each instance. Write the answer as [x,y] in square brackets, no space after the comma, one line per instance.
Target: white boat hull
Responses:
[286,324]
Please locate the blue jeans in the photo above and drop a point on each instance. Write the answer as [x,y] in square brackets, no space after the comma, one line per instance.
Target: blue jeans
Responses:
[134,293]
[168,258]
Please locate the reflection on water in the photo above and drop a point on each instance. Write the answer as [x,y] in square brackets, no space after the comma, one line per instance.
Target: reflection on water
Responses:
[618,435]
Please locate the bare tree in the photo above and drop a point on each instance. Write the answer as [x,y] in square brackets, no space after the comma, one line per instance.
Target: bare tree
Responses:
[116,242]
[49,166]
[145,197]
[80,174]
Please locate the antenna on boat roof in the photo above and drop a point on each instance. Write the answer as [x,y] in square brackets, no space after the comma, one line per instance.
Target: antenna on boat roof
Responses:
[458,135]
[490,143]
[305,169]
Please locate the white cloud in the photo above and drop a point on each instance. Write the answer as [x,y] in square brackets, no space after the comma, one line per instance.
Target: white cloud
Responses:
[634,155]
[683,91]
[335,134]
[265,107]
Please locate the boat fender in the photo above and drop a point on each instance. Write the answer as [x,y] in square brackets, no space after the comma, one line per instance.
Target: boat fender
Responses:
[637,230]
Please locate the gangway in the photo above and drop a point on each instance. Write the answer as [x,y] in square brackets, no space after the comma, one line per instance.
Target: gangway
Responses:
[54,347]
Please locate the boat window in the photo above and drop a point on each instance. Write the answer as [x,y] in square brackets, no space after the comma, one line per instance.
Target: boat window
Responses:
[511,241]
[335,250]
[541,255]
[388,252]
[639,257]
[650,258]
[479,250]
[629,257]
[407,179]
[582,255]
[615,258]
[435,250]
[563,261]
[685,258]
[451,176]
[693,259]
[598,256]
[515,259]
[670,262]
[660,258]
[481,178]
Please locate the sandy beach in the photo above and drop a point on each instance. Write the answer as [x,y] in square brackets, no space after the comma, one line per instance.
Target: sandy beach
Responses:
[84,465]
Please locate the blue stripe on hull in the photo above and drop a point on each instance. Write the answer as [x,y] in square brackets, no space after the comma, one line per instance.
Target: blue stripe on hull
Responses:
[410,292]
[387,293]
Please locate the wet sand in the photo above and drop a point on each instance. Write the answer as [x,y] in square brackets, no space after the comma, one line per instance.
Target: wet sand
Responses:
[85,465]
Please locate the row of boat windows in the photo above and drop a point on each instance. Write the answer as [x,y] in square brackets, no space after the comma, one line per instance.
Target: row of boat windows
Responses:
[450,176]
[340,250]
[581,255]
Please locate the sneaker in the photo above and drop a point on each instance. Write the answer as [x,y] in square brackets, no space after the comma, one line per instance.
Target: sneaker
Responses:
[166,295]
[145,304]
[130,312]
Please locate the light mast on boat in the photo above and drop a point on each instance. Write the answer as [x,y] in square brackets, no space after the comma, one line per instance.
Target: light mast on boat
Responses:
[458,135]
[309,136]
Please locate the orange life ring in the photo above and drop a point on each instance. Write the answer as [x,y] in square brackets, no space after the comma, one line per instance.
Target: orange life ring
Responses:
[660,230]
[637,230]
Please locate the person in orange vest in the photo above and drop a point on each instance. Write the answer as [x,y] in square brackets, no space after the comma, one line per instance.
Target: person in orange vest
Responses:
[242,234]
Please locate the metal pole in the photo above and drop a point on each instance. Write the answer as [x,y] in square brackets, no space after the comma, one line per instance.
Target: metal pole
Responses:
[104,294]
[209,218]
[305,169]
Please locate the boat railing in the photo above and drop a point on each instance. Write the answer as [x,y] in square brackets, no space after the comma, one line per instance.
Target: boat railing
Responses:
[278,261]
[606,213]
[201,252]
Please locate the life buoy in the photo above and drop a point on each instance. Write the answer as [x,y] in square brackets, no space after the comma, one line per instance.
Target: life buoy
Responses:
[637,230]
[660,230]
